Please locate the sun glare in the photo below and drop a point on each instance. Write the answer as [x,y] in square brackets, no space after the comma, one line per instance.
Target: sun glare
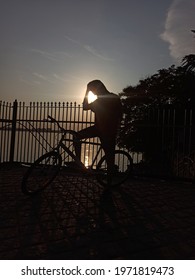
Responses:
[91,97]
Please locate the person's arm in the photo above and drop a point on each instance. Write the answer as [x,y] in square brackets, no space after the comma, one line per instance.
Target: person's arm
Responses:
[86,105]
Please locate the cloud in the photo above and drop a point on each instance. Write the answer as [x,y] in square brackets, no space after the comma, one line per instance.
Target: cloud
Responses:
[59,78]
[179,22]
[89,49]
[42,77]
[29,82]
[95,53]
[66,78]
[54,56]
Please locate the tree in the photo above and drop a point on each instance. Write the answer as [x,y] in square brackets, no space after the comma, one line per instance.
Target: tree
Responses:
[188,63]
[171,87]
[167,86]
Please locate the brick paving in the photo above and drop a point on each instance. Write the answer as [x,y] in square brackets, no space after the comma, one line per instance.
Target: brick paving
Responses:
[75,219]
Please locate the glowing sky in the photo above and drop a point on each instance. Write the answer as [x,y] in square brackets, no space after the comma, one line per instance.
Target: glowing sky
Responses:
[50,49]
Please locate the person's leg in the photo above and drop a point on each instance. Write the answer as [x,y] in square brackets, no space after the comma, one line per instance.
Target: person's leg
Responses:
[88,132]
[109,147]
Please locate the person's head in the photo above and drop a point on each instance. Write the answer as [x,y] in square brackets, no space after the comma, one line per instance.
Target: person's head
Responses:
[97,87]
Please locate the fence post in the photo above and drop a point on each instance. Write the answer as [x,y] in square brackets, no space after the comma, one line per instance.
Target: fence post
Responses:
[13,133]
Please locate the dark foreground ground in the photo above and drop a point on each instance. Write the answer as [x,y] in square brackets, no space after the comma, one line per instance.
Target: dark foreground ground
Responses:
[75,219]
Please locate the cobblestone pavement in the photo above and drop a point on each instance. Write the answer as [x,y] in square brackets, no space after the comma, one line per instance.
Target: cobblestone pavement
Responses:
[75,219]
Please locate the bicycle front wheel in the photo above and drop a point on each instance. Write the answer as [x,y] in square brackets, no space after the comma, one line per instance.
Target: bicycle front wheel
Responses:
[123,166]
[41,173]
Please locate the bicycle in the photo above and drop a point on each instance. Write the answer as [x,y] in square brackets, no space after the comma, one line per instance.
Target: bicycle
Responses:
[45,169]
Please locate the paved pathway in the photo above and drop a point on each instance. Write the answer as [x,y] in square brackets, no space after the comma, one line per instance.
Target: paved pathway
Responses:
[75,219]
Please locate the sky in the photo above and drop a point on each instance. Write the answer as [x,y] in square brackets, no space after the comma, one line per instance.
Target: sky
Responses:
[51,49]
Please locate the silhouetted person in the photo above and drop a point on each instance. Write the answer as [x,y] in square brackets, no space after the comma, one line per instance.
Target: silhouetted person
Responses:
[108,111]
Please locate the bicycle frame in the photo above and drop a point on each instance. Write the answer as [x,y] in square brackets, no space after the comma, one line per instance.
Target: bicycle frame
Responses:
[67,150]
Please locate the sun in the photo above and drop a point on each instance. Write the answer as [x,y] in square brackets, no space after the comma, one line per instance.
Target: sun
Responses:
[91,97]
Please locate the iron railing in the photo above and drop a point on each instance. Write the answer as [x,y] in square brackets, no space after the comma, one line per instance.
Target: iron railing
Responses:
[25,133]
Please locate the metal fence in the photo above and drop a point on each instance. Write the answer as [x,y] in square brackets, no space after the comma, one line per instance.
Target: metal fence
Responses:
[25,133]
[169,132]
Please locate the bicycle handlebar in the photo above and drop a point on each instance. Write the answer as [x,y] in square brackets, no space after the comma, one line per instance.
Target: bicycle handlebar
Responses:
[61,128]
[54,121]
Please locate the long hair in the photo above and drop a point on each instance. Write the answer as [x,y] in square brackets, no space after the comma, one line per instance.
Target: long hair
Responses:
[97,86]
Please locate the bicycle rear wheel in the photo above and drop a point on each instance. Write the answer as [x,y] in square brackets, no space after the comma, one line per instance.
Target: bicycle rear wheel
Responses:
[122,169]
[41,173]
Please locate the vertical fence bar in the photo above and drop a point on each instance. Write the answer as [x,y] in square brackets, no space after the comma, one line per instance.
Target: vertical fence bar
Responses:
[13,135]
[24,131]
[7,134]
[26,134]
[47,123]
[37,121]
[63,114]
[1,134]
[190,133]
[184,131]
[19,133]
[28,120]
[3,128]
[33,145]
[9,115]
[41,126]
[173,135]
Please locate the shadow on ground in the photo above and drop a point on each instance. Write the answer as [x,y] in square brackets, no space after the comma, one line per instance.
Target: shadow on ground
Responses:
[75,218]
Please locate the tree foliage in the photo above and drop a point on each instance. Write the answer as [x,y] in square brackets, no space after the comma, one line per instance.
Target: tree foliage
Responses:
[174,86]
[188,63]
